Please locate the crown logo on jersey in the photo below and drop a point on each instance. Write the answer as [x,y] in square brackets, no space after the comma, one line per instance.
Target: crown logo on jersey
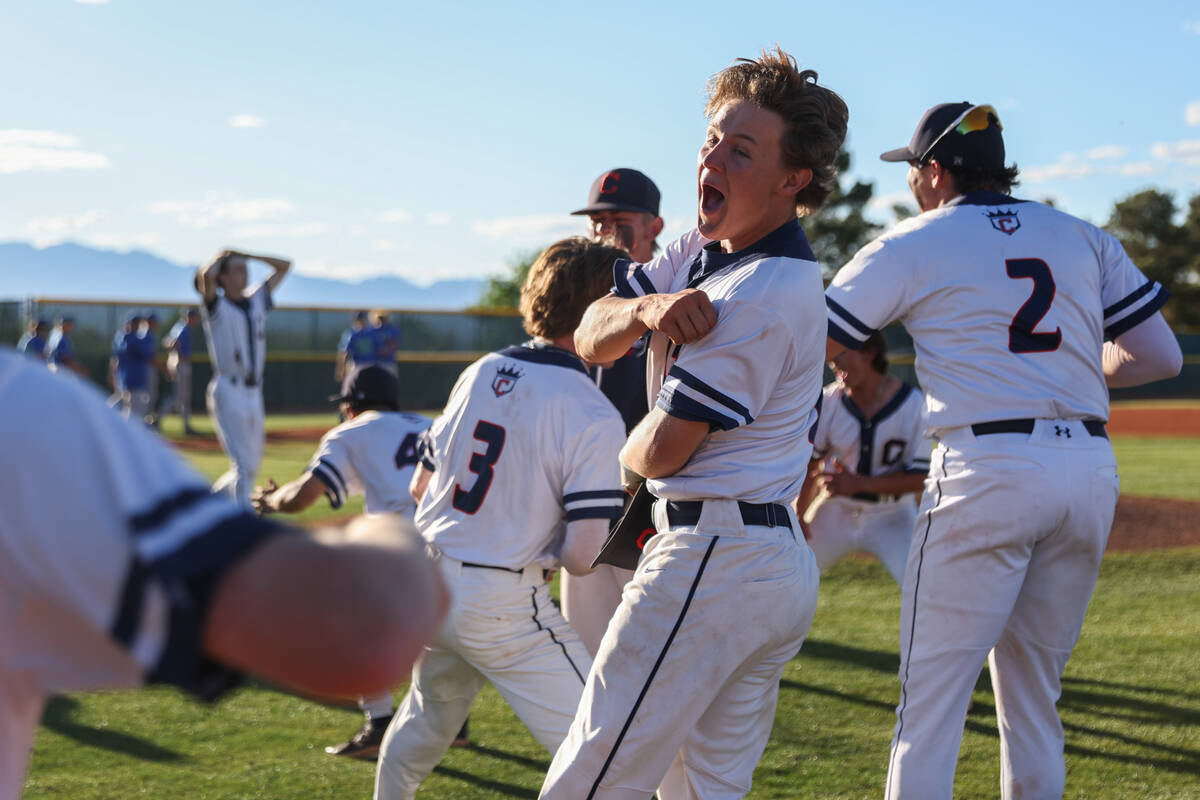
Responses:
[1004,221]
[505,380]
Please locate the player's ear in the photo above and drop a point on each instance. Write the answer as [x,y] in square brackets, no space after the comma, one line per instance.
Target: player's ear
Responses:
[795,181]
[656,226]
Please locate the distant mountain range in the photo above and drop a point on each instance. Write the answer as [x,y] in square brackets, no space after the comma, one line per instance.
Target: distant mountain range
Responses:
[78,272]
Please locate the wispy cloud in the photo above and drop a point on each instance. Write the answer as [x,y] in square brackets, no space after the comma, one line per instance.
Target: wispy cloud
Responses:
[1069,167]
[1139,168]
[393,215]
[1191,26]
[292,230]
[1106,153]
[55,226]
[540,227]
[885,202]
[437,218]
[1186,151]
[45,151]
[1191,113]
[383,245]
[247,121]
[119,241]
[92,2]
[214,208]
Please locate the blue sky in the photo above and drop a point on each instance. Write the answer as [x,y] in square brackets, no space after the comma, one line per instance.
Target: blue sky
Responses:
[438,140]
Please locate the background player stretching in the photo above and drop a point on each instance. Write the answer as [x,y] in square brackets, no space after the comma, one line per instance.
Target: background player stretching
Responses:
[1019,314]
[870,455]
[235,327]
[373,454]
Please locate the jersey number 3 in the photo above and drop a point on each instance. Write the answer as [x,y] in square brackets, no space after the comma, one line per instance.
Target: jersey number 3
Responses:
[481,464]
[1021,336]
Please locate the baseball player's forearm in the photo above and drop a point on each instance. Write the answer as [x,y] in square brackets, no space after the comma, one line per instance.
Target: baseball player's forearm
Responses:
[608,329]
[419,482]
[327,615]
[207,275]
[1147,352]
[892,483]
[582,543]
[293,497]
[280,267]
[810,488]
[661,444]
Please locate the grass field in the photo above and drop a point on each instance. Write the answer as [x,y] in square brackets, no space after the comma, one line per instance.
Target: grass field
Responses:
[1131,702]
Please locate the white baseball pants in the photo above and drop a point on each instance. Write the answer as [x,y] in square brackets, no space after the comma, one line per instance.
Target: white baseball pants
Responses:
[589,601]
[842,525]
[502,628]
[683,691]
[1004,559]
[238,417]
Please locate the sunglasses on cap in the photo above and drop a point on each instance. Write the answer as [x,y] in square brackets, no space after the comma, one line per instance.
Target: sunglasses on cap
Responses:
[976,118]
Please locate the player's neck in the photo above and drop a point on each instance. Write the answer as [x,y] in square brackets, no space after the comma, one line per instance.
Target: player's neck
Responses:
[871,393]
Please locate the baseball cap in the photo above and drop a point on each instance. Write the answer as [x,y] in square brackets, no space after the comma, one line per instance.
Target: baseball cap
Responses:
[957,135]
[369,386]
[622,189]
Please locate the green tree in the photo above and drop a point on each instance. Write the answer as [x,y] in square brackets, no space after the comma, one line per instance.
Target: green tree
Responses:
[839,229]
[1167,252]
[504,291]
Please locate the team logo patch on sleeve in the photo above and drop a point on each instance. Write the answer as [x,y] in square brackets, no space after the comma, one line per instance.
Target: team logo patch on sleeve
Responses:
[505,380]
[1004,221]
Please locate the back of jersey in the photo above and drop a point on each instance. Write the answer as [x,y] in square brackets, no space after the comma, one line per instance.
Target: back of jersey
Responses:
[373,454]
[526,440]
[1008,303]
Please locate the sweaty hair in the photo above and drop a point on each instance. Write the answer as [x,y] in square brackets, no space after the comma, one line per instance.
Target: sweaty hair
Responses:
[877,344]
[973,179]
[563,282]
[814,117]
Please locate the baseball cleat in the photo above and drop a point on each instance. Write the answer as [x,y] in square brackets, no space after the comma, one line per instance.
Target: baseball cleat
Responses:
[366,742]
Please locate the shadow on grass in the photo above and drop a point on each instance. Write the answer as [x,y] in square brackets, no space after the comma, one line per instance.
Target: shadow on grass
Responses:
[499,787]
[878,660]
[57,717]
[536,764]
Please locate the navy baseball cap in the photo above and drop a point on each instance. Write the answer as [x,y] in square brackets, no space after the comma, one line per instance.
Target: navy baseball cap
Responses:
[958,135]
[369,386]
[622,189]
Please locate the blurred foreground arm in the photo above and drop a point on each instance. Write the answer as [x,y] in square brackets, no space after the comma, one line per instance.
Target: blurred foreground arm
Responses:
[327,615]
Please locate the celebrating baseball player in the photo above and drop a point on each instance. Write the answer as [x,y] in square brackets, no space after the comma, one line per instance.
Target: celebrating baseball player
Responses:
[1020,314]
[146,576]
[526,441]
[870,455]
[623,208]
[372,453]
[683,690]
[235,327]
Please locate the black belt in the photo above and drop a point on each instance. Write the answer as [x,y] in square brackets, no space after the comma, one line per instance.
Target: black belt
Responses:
[1094,426]
[871,497]
[687,512]
[492,566]
[249,383]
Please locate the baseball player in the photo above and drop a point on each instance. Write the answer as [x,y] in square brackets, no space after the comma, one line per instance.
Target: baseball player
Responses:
[682,693]
[870,456]
[1020,314]
[526,441]
[143,575]
[623,208]
[373,454]
[356,349]
[60,349]
[129,370]
[235,327]
[178,343]
[387,340]
[33,342]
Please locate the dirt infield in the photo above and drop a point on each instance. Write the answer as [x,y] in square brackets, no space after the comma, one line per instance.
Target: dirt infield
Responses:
[1155,421]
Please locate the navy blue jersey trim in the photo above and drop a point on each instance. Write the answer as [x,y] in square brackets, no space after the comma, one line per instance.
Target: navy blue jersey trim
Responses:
[786,241]
[1137,317]
[157,516]
[893,405]
[983,198]
[553,637]
[541,353]
[621,286]
[335,472]
[855,322]
[644,281]
[594,512]
[679,405]
[687,603]
[599,494]
[212,305]
[331,488]
[1130,299]
[843,338]
[692,382]
[129,607]
[428,464]
[244,306]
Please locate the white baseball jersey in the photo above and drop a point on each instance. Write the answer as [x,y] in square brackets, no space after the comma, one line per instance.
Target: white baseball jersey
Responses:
[374,455]
[103,571]
[526,438]
[237,334]
[891,440]
[761,364]
[1022,338]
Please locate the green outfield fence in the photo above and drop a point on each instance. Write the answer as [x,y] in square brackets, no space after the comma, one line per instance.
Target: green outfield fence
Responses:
[435,346]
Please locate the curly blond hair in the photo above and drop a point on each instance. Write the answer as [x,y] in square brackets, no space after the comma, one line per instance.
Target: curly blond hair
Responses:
[563,282]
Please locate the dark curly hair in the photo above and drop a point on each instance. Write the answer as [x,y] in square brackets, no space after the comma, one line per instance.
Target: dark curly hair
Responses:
[815,118]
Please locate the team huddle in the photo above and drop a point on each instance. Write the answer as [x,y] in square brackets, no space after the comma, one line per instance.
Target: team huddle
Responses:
[690,378]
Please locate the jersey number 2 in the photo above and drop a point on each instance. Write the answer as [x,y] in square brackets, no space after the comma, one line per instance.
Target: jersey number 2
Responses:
[1021,336]
[481,464]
